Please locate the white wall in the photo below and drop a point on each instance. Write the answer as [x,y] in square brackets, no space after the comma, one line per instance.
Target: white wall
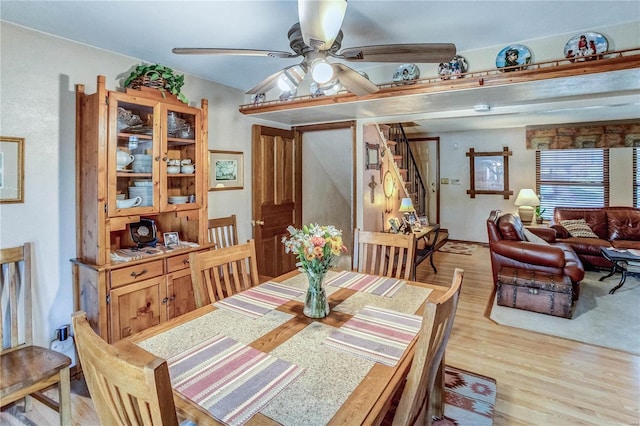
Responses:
[37,102]
[327,181]
[465,217]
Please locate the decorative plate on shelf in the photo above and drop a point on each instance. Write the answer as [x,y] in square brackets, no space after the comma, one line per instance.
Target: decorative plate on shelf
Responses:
[453,69]
[406,73]
[585,46]
[513,55]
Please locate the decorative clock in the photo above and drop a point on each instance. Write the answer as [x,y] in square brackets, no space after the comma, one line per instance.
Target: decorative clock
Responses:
[144,233]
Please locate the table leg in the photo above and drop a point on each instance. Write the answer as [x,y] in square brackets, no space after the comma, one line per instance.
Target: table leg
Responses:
[621,283]
[613,271]
[431,261]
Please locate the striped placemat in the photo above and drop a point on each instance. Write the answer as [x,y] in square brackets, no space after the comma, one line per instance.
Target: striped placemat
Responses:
[230,380]
[380,286]
[257,301]
[377,334]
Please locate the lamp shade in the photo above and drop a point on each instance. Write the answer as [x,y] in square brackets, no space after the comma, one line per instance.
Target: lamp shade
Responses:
[406,205]
[526,197]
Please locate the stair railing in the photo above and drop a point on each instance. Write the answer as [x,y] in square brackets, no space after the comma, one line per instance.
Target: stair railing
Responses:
[413,180]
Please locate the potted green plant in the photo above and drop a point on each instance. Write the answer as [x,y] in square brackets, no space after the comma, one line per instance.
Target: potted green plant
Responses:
[158,77]
[539,212]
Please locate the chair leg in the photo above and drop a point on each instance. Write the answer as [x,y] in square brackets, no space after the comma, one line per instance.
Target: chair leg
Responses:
[64,392]
[436,404]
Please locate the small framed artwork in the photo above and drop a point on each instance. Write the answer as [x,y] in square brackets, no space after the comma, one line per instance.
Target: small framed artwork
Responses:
[171,239]
[424,221]
[411,221]
[226,170]
[11,170]
[395,225]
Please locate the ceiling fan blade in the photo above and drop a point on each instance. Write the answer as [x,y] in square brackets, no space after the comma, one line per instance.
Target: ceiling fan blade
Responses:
[353,81]
[266,84]
[231,52]
[320,21]
[412,53]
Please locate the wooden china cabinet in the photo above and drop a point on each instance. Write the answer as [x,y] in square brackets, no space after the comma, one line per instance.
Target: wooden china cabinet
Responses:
[128,192]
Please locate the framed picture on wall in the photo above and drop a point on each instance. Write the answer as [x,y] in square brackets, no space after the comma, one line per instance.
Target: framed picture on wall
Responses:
[226,169]
[11,170]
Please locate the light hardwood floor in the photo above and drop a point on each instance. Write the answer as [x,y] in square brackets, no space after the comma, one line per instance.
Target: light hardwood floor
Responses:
[542,380]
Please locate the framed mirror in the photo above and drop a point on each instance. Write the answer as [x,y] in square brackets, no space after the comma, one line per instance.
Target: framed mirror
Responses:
[489,173]
[372,156]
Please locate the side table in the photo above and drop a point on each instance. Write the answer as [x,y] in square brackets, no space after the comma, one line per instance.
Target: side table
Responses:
[623,261]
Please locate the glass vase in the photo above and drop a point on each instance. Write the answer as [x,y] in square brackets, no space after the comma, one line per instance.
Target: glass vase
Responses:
[315,301]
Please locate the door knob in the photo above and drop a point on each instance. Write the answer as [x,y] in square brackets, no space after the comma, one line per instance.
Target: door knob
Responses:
[257,222]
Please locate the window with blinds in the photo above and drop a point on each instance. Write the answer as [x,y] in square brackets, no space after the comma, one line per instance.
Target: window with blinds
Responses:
[572,178]
[636,178]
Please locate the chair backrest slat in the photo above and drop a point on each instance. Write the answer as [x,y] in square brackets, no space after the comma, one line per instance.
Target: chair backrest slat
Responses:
[220,273]
[385,254]
[223,231]
[139,393]
[417,402]
[15,291]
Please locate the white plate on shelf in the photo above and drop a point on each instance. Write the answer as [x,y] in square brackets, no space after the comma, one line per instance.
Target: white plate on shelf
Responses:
[178,199]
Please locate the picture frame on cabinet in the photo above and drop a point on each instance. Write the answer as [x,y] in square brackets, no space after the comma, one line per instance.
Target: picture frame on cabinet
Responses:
[171,239]
[226,170]
[11,169]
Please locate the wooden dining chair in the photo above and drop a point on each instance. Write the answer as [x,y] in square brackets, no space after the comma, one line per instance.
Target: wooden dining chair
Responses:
[421,397]
[223,231]
[27,370]
[382,253]
[220,273]
[128,385]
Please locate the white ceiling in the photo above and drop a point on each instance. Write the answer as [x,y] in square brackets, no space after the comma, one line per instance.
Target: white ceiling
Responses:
[148,30]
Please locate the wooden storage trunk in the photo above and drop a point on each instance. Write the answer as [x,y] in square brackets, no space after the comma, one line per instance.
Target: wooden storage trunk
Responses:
[535,291]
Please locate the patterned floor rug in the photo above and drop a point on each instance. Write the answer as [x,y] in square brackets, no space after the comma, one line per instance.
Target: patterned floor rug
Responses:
[469,400]
[458,248]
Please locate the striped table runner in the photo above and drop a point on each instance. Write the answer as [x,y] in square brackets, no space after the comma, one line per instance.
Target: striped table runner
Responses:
[374,284]
[230,380]
[377,334]
[257,301]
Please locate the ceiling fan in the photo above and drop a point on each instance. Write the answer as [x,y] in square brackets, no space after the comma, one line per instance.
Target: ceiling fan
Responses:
[318,36]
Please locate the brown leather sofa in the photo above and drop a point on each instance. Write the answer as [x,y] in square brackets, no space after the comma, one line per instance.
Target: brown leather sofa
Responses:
[617,227]
[509,247]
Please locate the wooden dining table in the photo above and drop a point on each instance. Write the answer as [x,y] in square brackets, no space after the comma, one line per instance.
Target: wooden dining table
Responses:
[336,388]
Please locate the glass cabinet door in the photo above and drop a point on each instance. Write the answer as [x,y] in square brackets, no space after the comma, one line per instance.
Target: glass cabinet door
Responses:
[133,168]
[181,153]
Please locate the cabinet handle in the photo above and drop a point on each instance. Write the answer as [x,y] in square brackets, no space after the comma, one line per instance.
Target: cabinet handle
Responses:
[173,296]
[185,261]
[165,300]
[533,290]
[158,158]
[135,274]
[165,159]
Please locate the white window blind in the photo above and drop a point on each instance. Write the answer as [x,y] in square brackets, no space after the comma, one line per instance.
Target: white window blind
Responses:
[572,178]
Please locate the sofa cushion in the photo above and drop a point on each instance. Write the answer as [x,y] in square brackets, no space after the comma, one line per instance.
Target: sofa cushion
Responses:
[623,224]
[595,217]
[578,228]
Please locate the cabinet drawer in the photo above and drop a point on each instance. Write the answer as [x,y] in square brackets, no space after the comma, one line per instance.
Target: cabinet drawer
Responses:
[177,263]
[136,273]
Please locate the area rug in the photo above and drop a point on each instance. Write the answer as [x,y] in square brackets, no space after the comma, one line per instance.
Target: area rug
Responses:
[469,400]
[458,248]
[599,318]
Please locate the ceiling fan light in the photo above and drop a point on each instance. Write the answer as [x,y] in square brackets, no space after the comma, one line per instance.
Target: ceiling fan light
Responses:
[320,21]
[321,71]
[291,78]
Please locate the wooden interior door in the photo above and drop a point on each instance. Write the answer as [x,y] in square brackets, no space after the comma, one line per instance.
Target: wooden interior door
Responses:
[277,195]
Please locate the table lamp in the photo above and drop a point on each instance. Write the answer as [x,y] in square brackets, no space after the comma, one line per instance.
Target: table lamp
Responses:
[526,200]
[406,205]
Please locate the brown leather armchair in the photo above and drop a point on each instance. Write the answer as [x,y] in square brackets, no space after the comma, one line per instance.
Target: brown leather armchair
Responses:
[510,247]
